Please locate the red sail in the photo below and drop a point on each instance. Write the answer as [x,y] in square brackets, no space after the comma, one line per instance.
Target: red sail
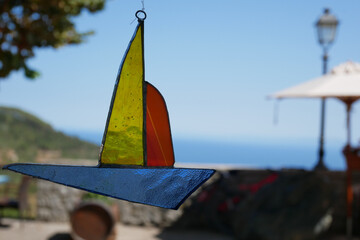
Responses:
[158,136]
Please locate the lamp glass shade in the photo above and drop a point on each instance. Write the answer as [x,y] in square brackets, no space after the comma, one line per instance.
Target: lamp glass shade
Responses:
[326,28]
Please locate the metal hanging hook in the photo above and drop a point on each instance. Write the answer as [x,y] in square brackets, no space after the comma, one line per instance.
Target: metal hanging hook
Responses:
[138,16]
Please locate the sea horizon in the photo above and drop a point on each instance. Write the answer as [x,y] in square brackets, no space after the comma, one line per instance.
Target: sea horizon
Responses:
[262,154]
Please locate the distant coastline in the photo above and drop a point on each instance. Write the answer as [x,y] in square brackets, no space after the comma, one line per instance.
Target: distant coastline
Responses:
[268,155]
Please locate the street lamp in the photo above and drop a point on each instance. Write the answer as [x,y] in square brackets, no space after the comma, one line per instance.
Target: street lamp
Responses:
[326,31]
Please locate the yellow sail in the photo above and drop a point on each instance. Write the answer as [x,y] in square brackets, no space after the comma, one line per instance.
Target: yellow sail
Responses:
[123,141]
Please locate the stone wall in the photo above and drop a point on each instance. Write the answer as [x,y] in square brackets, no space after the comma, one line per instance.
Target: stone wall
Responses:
[55,201]
[143,215]
[224,199]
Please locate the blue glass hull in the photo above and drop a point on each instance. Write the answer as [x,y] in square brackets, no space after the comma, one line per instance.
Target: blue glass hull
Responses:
[162,187]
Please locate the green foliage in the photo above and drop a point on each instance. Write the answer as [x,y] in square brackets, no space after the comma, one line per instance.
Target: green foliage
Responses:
[26,135]
[27,24]
[88,196]
[11,213]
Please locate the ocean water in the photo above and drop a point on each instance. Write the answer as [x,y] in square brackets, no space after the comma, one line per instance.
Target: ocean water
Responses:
[248,154]
[257,155]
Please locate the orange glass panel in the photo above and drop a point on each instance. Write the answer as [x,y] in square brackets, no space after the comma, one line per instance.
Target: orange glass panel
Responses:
[124,134]
[158,136]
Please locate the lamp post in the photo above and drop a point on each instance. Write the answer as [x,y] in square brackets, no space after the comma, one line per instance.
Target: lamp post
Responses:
[326,31]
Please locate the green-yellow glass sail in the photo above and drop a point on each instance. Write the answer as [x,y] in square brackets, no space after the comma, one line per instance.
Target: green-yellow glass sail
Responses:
[123,138]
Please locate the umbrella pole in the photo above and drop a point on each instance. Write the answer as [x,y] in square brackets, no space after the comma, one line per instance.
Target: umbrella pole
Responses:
[349,190]
[350,159]
[348,126]
[348,102]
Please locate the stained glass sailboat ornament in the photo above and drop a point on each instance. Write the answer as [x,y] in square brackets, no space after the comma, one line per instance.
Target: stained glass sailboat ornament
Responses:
[136,161]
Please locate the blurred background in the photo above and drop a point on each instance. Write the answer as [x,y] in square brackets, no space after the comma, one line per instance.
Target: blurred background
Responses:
[216,64]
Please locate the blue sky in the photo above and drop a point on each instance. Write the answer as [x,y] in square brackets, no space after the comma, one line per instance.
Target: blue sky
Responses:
[214,62]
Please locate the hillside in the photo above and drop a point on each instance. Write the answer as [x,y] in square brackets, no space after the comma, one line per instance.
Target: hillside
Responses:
[26,138]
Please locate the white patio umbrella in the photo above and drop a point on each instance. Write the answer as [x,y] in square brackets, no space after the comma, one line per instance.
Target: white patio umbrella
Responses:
[342,82]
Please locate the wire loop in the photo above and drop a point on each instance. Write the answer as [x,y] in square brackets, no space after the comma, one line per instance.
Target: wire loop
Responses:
[138,16]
